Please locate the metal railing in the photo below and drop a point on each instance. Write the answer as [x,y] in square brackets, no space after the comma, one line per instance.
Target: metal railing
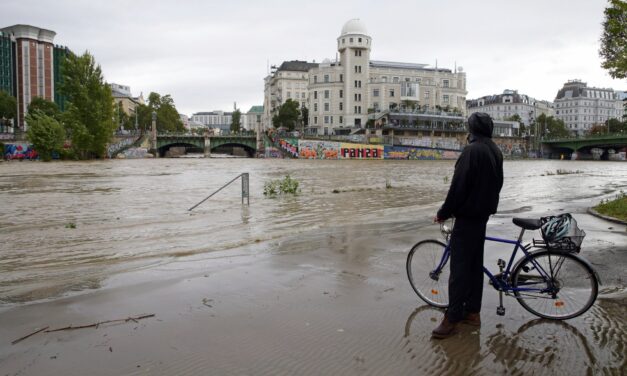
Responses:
[245,190]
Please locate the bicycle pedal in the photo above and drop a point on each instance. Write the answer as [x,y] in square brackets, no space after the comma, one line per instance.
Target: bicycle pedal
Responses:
[500,311]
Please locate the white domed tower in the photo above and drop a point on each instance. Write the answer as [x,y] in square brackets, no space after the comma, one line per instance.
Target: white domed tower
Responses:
[354,47]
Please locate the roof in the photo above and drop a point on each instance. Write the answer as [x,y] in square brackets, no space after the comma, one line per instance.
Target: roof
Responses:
[354,26]
[297,65]
[399,65]
[255,109]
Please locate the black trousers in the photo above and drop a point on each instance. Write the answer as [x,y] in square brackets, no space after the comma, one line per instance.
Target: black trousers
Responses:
[465,285]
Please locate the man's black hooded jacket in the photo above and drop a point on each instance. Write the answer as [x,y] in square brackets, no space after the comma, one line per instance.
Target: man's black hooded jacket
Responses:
[478,177]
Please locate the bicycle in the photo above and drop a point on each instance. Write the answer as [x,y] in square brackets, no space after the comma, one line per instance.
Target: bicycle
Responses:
[550,281]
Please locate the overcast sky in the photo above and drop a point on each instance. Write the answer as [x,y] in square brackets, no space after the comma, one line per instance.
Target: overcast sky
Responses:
[209,54]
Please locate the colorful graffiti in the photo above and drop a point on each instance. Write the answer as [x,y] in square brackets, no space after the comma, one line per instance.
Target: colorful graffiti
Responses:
[289,146]
[361,151]
[318,149]
[19,151]
[404,152]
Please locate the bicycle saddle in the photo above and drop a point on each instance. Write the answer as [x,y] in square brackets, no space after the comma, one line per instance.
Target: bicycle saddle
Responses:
[527,223]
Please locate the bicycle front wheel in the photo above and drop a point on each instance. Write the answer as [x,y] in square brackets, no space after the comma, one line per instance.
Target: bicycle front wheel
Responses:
[428,272]
[555,286]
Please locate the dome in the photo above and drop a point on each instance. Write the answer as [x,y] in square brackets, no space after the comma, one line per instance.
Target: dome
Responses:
[354,26]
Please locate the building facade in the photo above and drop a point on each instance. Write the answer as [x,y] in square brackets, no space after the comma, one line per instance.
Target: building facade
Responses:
[289,81]
[33,66]
[253,119]
[214,119]
[341,93]
[510,103]
[582,107]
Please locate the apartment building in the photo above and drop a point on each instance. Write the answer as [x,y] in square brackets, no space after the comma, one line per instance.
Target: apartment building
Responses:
[509,103]
[340,93]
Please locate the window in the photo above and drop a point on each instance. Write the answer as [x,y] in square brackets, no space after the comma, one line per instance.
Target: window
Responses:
[341,93]
[395,80]
[384,78]
[343,40]
[391,92]
[375,93]
[357,83]
[350,40]
[315,79]
[326,107]
[326,78]
[315,106]
[445,98]
[359,40]
[326,94]
[315,94]
[341,78]
[357,68]
[289,94]
[326,120]
[341,106]
[444,83]
[331,119]
[426,94]
[315,120]
[341,119]
[357,97]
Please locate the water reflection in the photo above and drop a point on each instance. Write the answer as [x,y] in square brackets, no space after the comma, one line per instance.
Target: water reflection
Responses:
[591,345]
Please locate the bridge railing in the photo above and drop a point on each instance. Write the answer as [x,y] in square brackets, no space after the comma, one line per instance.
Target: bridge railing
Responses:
[245,190]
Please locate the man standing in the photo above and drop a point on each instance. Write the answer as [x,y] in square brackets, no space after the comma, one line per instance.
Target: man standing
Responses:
[472,197]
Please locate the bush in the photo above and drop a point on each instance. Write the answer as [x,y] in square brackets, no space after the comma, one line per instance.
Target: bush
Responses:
[286,185]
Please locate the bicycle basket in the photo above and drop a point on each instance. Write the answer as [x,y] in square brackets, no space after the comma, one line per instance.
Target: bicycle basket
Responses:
[561,233]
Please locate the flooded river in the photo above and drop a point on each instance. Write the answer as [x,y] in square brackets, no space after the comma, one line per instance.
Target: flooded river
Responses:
[67,226]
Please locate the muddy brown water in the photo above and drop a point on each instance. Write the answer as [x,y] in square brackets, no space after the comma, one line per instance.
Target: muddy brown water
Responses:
[69,228]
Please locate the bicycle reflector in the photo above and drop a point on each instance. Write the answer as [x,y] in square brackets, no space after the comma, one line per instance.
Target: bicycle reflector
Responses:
[559,303]
[434,292]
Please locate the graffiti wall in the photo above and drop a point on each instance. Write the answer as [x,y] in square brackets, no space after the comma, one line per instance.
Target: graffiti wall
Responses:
[133,153]
[19,151]
[405,152]
[360,151]
[318,149]
[289,145]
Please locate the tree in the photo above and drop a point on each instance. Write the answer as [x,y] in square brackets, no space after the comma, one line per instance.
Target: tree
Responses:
[550,127]
[235,121]
[168,118]
[44,106]
[613,50]
[287,115]
[518,119]
[45,133]
[8,109]
[304,115]
[89,116]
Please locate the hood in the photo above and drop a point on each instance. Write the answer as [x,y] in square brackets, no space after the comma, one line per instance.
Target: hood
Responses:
[480,124]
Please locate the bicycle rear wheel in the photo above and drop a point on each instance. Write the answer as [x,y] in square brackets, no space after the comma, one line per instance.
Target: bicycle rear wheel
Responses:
[561,285]
[428,271]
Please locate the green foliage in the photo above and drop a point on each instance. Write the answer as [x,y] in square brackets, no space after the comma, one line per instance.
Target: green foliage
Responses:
[550,127]
[286,185]
[236,121]
[616,208]
[89,116]
[168,119]
[613,50]
[44,106]
[8,108]
[304,115]
[287,116]
[45,133]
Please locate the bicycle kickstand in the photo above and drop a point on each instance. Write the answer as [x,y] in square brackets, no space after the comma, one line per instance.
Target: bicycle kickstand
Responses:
[500,310]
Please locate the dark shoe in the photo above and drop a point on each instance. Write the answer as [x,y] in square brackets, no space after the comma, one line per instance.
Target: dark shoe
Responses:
[445,329]
[473,319]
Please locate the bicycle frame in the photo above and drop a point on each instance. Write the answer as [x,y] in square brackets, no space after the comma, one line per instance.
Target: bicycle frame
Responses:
[502,284]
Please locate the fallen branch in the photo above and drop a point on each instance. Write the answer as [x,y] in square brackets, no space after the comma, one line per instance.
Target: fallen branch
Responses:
[95,325]
[29,335]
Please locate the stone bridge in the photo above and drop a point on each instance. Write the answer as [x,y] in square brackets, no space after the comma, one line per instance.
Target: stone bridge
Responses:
[585,144]
[206,144]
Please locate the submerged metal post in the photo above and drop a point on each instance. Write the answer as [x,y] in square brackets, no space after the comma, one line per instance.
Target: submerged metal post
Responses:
[245,189]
